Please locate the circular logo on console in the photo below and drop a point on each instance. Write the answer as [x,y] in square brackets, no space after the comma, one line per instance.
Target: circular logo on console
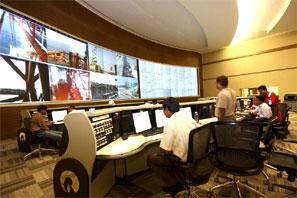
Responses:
[69,182]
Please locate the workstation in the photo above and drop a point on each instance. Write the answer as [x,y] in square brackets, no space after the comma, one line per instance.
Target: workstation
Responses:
[148,99]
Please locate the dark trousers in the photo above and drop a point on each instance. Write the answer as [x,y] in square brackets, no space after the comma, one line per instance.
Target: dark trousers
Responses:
[165,167]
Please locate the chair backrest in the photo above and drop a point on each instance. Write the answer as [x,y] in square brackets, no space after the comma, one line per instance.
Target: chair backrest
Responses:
[199,141]
[27,124]
[285,113]
[268,132]
[236,145]
[198,152]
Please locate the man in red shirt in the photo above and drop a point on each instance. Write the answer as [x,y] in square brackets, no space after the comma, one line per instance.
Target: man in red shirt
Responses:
[270,97]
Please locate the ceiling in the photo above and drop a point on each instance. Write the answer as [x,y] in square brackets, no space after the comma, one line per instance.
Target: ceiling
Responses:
[198,25]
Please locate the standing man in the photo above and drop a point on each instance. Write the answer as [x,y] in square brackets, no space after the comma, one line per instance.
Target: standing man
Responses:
[173,146]
[226,100]
[40,126]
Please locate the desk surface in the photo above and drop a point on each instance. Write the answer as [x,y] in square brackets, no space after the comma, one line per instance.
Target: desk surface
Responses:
[123,148]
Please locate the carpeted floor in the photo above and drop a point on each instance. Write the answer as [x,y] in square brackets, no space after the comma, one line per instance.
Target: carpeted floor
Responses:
[33,178]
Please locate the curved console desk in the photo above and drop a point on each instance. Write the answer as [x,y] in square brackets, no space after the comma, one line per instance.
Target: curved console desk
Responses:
[89,165]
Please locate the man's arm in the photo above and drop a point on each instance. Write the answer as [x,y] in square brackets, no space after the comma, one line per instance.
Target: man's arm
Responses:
[221,113]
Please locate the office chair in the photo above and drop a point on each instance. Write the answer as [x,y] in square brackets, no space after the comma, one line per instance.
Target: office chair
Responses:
[198,168]
[284,161]
[281,129]
[236,151]
[34,140]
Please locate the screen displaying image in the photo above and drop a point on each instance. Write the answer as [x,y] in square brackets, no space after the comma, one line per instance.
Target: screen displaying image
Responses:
[106,86]
[160,80]
[65,50]
[22,38]
[22,80]
[103,86]
[110,62]
[68,84]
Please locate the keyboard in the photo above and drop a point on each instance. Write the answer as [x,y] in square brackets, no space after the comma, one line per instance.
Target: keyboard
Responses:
[152,132]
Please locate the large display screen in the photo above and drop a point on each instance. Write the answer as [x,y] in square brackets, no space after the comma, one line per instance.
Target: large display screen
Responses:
[22,80]
[41,64]
[160,80]
[69,84]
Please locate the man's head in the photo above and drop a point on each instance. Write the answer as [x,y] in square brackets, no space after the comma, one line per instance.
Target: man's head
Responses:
[170,106]
[260,99]
[42,109]
[262,90]
[222,82]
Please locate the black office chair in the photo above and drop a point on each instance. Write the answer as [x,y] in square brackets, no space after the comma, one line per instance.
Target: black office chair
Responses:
[35,140]
[236,151]
[281,129]
[198,168]
[286,161]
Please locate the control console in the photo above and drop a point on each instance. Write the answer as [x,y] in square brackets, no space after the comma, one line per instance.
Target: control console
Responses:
[103,129]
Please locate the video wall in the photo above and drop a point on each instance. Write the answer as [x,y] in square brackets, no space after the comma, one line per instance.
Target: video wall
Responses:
[41,64]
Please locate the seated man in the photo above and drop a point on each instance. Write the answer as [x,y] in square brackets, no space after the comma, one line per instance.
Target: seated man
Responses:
[40,126]
[263,110]
[173,146]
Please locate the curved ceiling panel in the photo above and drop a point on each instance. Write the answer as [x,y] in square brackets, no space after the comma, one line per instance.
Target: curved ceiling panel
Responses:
[162,21]
[218,19]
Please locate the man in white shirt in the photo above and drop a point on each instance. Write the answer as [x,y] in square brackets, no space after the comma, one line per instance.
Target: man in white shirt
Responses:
[173,146]
[263,110]
[226,100]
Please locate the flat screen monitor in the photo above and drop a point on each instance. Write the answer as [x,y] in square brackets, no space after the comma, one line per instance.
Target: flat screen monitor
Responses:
[186,111]
[205,111]
[141,121]
[58,116]
[80,110]
[161,119]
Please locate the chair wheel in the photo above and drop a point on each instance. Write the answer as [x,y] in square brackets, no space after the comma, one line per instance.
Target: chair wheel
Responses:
[210,194]
[266,182]
[216,179]
[279,174]
[270,187]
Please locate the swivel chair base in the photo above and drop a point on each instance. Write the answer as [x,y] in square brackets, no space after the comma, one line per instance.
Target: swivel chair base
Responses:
[236,184]
[39,150]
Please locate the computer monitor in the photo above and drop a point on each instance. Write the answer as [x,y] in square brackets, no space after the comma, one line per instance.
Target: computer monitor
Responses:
[58,116]
[80,110]
[141,121]
[186,111]
[92,109]
[161,119]
[205,111]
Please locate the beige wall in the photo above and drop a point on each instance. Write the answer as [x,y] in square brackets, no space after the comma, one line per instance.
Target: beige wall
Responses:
[271,61]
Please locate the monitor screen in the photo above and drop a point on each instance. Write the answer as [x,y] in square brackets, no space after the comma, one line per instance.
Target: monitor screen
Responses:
[205,111]
[92,109]
[161,119]
[58,116]
[80,110]
[141,121]
[186,111]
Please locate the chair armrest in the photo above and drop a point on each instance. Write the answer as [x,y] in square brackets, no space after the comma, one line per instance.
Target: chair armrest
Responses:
[290,140]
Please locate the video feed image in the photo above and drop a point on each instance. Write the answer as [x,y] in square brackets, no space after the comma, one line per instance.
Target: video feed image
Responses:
[68,84]
[110,62]
[161,80]
[128,87]
[67,51]
[103,86]
[23,80]
[22,38]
